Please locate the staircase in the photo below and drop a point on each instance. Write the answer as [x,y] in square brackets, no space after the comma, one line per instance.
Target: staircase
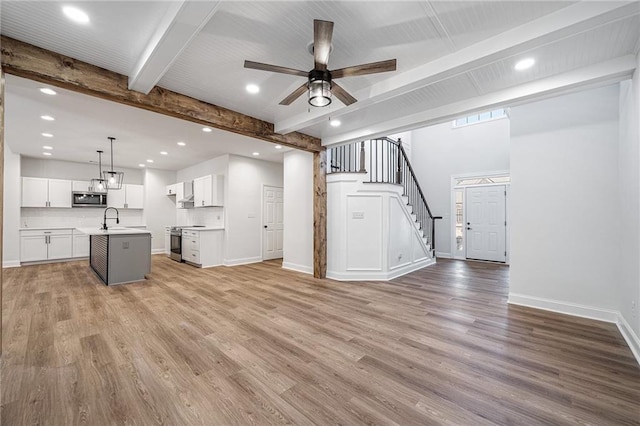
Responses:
[379,223]
[384,160]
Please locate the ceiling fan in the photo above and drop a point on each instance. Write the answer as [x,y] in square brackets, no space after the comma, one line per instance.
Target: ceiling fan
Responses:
[320,81]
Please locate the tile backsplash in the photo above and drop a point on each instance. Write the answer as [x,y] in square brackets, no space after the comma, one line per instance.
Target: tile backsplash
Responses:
[75,217]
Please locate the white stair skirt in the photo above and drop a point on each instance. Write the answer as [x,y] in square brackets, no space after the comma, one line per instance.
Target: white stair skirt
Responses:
[371,233]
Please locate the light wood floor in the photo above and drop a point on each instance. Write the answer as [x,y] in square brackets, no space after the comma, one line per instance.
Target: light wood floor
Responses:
[259,345]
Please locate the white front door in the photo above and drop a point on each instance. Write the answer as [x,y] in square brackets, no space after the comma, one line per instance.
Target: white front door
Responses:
[486,223]
[273,227]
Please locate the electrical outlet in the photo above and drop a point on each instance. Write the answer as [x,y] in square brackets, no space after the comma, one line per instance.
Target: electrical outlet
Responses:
[633,308]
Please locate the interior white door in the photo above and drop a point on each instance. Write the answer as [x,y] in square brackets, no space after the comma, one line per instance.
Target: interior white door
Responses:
[486,223]
[273,227]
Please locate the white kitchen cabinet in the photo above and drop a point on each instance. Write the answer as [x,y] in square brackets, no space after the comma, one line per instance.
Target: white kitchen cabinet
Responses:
[80,244]
[38,245]
[167,240]
[129,197]
[202,248]
[42,192]
[85,186]
[208,191]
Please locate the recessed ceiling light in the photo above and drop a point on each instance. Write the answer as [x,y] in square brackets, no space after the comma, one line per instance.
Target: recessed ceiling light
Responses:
[47,135]
[164,153]
[47,117]
[46,153]
[524,64]
[335,123]
[149,161]
[141,165]
[253,88]
[76,14]
[207,129]
[48,91]
[47,147]
[181,143]
[278,146]
[256,153]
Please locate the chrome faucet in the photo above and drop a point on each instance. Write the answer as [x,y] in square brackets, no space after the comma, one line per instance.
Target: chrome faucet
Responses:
[117,218]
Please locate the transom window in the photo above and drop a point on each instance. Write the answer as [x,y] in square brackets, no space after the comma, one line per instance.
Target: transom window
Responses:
[482,180]
[480,117]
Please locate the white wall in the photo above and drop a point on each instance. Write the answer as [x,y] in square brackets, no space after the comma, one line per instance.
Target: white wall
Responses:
[440,151]
[243,205]
[159,209]
[564,198]
[629,187]
[11,210]
[298,211]
[208,216]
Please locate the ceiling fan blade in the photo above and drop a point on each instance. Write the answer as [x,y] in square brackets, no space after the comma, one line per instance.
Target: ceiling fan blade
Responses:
[275,68]
[322,34]
[371,68]
[294,95]
[342,94]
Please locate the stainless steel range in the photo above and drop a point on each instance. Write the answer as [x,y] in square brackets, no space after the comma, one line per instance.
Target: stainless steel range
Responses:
[176,241]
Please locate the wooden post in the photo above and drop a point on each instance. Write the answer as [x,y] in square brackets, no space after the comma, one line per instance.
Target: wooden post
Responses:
[1,191]
[320,214]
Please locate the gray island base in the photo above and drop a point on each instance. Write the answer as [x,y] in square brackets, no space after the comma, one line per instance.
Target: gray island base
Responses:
[119,255]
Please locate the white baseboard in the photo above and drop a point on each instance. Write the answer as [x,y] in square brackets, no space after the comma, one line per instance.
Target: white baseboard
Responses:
[630,336]
[242,261]
[606,315]
[157,251]
[298,268]
[378,276]
[443,255]
[564,307]
[11,264]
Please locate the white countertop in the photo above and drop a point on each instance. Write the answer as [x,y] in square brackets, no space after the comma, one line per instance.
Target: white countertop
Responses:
[205,228]
[44,228]
[116,230]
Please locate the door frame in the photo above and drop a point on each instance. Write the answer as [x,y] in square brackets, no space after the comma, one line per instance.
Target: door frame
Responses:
[452,223]
[262,187]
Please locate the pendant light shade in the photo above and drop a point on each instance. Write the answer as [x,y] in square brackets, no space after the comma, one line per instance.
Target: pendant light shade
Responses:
[99,184]
[112,179]
[319,88]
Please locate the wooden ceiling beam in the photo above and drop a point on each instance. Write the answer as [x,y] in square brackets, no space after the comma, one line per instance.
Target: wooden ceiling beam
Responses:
[32,62]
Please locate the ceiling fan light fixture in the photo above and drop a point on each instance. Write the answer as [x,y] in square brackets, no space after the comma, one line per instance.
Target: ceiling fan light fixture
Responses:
[319,88]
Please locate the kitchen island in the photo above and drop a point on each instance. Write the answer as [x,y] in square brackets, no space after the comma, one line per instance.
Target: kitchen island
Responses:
[119,255]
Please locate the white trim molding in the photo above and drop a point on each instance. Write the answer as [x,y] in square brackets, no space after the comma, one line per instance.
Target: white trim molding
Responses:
[158,251]
[242,261]
[379,276]
[298,268]
[444,255]
[633,340]
[11,264]
[590,312]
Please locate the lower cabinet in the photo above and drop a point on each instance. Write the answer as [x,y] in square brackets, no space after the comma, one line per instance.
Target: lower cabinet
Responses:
[80,244]
[46,245]
[203,247]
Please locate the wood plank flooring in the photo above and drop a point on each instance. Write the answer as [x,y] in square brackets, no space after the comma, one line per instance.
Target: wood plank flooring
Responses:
[257,344]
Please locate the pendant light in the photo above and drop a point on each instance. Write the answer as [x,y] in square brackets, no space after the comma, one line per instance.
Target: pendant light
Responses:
[113,179]
[99,184]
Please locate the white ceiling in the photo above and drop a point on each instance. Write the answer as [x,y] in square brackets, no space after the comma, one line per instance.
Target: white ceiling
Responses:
[454,57]
[83,123]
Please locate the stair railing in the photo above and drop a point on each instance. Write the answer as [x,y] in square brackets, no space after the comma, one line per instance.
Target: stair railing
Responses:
[387,162]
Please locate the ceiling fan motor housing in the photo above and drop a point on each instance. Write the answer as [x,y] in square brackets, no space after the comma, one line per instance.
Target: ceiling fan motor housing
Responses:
[319,87]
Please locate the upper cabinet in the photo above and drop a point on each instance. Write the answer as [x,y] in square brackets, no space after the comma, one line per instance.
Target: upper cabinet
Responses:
[208,191]
[129,197]
[171,189]
[41,192]
[85,186]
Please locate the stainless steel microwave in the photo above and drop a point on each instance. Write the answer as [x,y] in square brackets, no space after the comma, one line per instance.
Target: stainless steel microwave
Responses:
[89,199]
